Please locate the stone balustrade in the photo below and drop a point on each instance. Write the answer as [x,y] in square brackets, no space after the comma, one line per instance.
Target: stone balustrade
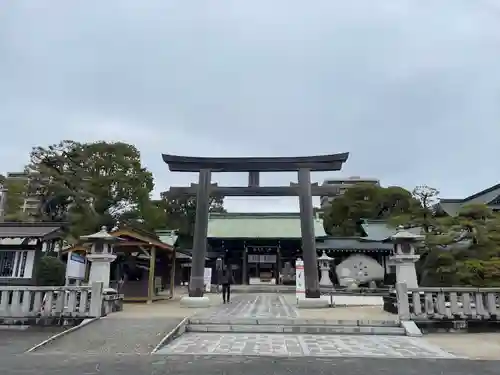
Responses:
[18,303]
[111,303]
[451,303]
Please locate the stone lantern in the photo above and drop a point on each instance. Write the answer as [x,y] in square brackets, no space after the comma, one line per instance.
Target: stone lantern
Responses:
[404,257]
[101,255]
[324,266]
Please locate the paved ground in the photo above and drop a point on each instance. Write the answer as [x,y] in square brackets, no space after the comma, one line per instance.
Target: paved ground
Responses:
[304,345]
[342,313]
[237,365]
[277,306]
[253,306]
[145,325]
[113,336]
[15,341]
[471,345]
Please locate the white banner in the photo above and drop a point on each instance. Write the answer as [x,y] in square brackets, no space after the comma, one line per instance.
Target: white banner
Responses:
[207,279]
[300,287]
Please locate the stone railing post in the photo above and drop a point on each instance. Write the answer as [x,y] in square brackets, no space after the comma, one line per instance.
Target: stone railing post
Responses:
[403,302]
[96,298]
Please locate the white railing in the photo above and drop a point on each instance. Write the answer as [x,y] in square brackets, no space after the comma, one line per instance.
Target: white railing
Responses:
[452,303]
[66,301]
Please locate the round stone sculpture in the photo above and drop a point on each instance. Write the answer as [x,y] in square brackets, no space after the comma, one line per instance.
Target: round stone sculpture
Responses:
[359,269]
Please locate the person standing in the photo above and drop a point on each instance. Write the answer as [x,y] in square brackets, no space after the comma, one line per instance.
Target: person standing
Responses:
[226,280]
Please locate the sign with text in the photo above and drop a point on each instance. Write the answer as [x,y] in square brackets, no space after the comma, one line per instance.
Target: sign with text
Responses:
[207,279]
[259,258]
[75,267]
[300,285]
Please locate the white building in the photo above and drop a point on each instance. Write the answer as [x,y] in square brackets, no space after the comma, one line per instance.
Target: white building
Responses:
[29,205]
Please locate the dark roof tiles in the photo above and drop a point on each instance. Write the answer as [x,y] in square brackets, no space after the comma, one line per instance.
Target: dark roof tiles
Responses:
[28,230]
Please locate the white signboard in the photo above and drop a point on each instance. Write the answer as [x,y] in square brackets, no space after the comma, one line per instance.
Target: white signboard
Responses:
[253,258]
[256,258]
[267,259]
[207,279]
[75,267]
[300,287]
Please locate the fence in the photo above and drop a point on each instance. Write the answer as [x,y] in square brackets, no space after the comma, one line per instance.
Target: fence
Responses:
[382,292]
[24,302]
[452,303]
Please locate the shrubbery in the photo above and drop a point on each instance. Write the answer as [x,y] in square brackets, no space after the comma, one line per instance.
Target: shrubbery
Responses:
[50,271]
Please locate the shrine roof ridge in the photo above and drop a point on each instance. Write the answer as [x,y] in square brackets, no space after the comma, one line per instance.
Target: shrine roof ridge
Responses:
[331,162]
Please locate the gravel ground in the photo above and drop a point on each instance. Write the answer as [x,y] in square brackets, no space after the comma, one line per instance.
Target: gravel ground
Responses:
[32,364]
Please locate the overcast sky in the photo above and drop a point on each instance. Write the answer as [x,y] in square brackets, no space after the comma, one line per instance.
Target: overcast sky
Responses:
[411,88]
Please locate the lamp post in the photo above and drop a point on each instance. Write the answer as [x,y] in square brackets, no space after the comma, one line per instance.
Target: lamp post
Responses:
[404,257]
[324,266]
[101,256]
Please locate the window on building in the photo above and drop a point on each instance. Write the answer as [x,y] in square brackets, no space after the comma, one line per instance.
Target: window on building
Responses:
[7,260]
[13,263]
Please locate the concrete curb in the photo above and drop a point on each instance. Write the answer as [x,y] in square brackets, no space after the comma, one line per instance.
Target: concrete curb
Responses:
[172,335]
[61,334]
[411,328]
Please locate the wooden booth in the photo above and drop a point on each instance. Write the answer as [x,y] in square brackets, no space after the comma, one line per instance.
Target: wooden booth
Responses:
[144,269]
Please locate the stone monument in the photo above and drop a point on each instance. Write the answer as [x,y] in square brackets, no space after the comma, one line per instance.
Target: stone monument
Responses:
[358,269]
[404,257]
[324,266]
[101,255]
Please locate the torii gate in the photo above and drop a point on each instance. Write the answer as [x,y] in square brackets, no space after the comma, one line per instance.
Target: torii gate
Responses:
[253,165]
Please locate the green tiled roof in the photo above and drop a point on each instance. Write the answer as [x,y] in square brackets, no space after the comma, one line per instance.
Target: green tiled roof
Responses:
[168,237]
[352,243]
[259,225]
[380,230]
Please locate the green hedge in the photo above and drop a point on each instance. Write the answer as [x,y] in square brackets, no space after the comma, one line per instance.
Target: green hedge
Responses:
[50,271]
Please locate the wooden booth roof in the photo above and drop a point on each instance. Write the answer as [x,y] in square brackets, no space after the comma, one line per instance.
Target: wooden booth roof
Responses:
[132,238]
[141,238]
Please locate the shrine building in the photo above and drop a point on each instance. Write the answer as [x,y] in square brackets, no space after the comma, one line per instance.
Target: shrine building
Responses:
[261,248]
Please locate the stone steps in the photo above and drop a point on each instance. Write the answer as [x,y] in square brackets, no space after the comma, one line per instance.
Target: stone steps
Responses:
[296,326]
[296,329]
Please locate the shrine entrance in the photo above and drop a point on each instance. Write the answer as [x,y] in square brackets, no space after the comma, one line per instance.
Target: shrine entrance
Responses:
[303,189]
[262,269]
